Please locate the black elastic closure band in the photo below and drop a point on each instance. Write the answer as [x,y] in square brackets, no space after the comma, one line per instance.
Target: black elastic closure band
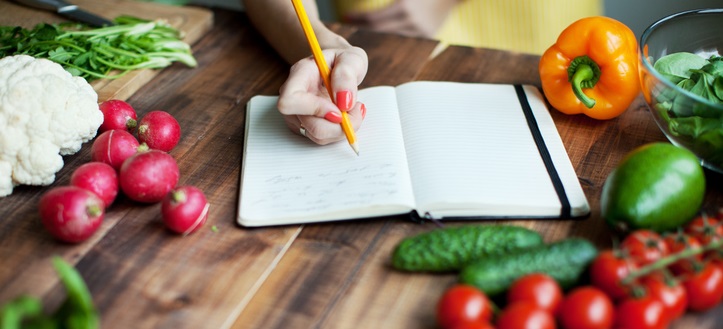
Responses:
[565,211]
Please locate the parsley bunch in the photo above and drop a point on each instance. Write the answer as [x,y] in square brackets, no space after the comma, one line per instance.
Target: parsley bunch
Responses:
[100,53]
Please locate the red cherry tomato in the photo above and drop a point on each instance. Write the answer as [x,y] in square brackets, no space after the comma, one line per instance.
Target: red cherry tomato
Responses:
[537,288]
[704,287]
[640,313]
[679,242]
[586,307]
[463,303]
[525,315]
[644,246]
[716,257]
[473,325]
[705,229]
[670,292]
[608,269]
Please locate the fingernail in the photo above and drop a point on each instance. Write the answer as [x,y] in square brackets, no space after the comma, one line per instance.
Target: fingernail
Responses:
[343,100]
[333,117]
[363,110]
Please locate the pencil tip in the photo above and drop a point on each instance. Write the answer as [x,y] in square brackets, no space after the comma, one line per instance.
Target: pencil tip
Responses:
[355,148]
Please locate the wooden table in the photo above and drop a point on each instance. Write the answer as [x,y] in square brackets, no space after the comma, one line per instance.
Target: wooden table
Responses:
[333,275]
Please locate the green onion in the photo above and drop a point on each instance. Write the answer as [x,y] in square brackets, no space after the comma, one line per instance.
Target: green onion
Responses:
[100,53]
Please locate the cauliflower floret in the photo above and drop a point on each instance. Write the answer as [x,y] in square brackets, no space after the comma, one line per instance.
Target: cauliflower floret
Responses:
[6,181]
[45,113]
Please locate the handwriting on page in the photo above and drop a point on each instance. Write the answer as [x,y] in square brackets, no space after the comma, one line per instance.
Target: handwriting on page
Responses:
[289,179]
[353,186]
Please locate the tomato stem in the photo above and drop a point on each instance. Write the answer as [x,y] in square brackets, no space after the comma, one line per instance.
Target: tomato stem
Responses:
[583,73]
[668,260]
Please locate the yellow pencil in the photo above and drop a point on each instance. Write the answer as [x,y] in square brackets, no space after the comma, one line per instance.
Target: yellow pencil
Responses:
[323,69]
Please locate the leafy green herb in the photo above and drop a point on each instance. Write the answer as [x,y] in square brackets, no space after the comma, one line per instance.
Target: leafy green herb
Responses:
[77,311]
[13,313]
[686,117]
[100,53]
[678,66]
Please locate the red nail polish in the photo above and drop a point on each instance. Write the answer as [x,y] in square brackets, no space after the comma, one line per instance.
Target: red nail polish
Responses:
[343,100]
[333,117]
[363,110]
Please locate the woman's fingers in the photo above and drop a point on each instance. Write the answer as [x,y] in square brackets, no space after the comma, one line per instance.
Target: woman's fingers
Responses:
[348,70]
[303,93]
[322,131]
[317,130]
[306,105]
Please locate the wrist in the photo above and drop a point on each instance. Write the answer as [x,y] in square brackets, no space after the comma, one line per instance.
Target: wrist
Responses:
[329,39]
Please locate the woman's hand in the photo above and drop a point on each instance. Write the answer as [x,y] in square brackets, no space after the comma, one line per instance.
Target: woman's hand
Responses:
[417,18]
[305,102]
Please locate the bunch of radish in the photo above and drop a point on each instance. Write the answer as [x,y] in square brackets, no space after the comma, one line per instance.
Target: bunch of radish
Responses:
[140,168]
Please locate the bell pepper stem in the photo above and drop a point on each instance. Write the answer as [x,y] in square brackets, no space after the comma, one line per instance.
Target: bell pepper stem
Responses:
[582,73]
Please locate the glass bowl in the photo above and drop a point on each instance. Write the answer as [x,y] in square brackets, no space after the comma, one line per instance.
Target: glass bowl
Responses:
[689,119]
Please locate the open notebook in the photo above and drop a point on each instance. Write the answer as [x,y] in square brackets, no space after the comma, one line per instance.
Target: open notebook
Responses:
[435,149]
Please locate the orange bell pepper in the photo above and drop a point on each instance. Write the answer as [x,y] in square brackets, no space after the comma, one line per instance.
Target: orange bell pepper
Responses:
[592,68]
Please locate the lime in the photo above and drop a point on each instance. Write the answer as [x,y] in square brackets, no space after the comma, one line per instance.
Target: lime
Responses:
[657,186]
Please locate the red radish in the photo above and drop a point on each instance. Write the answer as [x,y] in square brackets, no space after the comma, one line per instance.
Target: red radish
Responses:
[99,178]
[113,147]
[117,114]
[70,213]
[148,176]
[184,210]
[159,130]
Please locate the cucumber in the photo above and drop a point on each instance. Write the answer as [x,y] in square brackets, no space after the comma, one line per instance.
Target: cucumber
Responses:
[450,249]
[564,261]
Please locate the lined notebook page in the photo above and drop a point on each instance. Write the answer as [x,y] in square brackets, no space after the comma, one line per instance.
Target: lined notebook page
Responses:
[288,179]
[471,153]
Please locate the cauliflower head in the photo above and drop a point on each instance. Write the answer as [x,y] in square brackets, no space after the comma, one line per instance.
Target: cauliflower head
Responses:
[45,113]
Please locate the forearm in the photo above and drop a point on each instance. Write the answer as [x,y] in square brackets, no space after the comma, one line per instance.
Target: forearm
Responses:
[276,20]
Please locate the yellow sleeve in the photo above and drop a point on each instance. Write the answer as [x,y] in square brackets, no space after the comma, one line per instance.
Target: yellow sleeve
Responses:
[529,26]
[345,6]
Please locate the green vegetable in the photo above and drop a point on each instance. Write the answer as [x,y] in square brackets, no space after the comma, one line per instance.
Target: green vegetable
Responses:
[687,117]
[76,312]
[14,311]
[95,53]
[677,66]
[452,248]
[656,186]
[564,261]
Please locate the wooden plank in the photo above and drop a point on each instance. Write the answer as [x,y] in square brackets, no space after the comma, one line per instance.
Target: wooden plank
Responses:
[140,275]
[193,22]
[333,275]
[202,280]
[30,251]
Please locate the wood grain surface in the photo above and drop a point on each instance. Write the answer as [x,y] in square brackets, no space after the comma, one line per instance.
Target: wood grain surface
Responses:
[332,275]
[193,22]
